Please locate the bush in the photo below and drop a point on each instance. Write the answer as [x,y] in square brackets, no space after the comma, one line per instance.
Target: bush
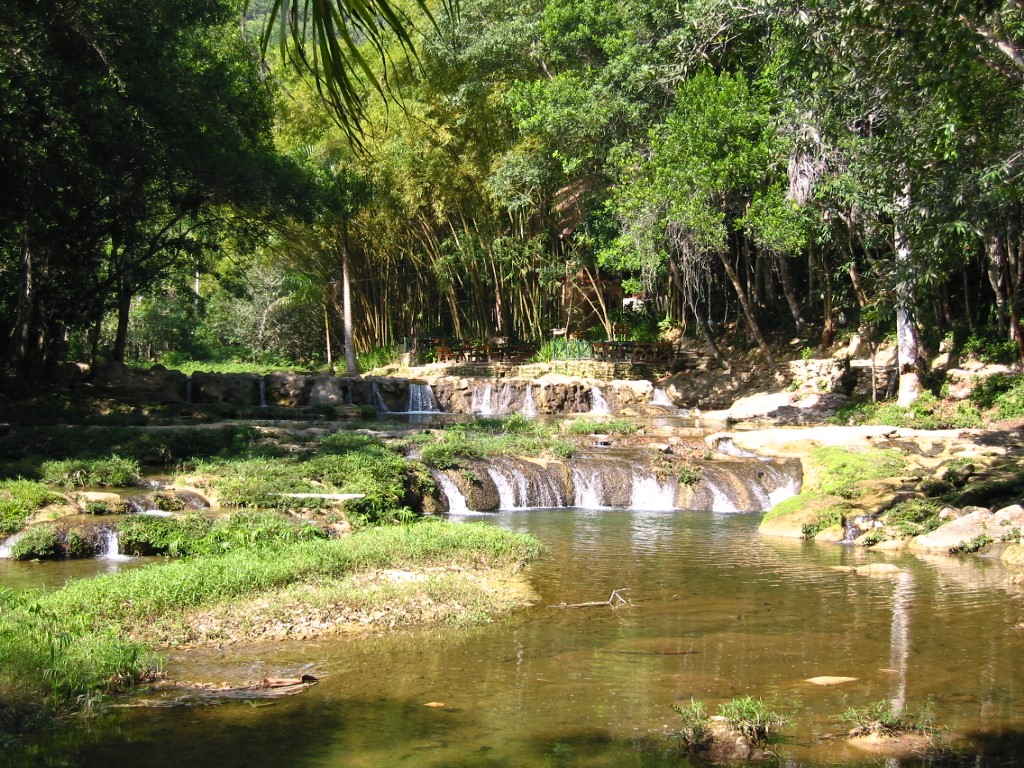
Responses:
[111,471]
[19,499]
[196,535]
[914,517]
[609,427]
[39,542]
[880,719]
[695,731]
[752,718]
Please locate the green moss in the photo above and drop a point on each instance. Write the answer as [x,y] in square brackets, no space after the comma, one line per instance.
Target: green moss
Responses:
[840,470]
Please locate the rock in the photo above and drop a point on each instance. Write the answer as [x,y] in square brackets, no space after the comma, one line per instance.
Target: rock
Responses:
[729,744]
[878,569]
[903,745]
[893,545]
[977,521]
[101,503]
[830,680]
[1013,556]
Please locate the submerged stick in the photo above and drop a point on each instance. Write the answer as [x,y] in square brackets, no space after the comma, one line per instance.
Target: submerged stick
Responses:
[615,600]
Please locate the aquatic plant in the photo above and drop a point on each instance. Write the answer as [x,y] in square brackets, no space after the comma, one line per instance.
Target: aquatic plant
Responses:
[695,729]
[752,718]
[879,718]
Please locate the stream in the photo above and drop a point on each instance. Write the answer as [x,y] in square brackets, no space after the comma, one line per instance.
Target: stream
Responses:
[717,612]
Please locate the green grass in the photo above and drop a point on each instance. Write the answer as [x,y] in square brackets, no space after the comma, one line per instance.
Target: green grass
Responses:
[927,412]
[454,447]
[752,718]
[840,470]
[110,471]
[19,499]
[599,427]
[880,719]
[125,599]
[914,517]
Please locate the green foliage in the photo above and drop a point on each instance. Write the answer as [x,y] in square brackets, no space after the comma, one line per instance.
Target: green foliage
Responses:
[514,435]
[111,471]
[976,544]
[881,719]
[196,535]
[752,718]
[989,348]
[19,499]
[38,542]
[688,474]
[608,427]
[830,519]
[914,517]
[695,730]
[378,357]
[843,468]
[927,412]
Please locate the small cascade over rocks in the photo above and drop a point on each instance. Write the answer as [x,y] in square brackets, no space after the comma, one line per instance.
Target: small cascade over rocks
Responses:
[421,399]
[378,400]
[457,504]
[622,479]
[110,545]
[598,402]
[660,397]
[480,401]
[529,406]
[8,544]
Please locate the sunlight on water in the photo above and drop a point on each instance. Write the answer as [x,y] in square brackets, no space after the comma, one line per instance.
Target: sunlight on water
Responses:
[717,612]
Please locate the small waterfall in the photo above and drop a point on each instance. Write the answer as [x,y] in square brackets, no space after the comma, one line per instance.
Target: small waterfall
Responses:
[110,548]
[650,493]
[513,490]
[661,397]
[8,544]
[456,501]
[529,406]
[480,401]
[261,392]
[188,390]
[589,487]
[378,400]
[720,500]
[505,393]
[421,399]
[598,403]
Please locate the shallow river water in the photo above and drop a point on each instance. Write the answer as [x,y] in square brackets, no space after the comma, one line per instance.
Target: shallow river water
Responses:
[717,612]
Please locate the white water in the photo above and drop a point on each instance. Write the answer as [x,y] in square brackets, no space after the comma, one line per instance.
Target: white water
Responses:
[421,399]
[111,546]
[513,488]
[529,407]
[261,388]
[598,404]
[8,543]
[378,401]
[720,501]
[650,493]
[480,401]
[783,492]
[456,501]
[661,397]
[188,390]
[589,488]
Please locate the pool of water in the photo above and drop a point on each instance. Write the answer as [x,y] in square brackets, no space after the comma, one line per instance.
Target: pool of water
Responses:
[716,612]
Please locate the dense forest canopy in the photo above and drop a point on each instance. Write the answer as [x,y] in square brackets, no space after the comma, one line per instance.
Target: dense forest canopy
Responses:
[753,171]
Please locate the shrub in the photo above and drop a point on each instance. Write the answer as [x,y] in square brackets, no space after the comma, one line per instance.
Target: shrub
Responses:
[880,719]
[39,542]
[752,718]
[695,731]
[196,535]
[19,499]
[609,427]
[914,517]
[111,471]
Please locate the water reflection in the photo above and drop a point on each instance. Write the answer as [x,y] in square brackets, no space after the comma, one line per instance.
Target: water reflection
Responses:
[717,612]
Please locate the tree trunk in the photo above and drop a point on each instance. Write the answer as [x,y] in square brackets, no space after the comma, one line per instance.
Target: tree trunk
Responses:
[995,264]
[702,320]
[351,367]
[748,310]
[125,292]
[790,291]
[907,360]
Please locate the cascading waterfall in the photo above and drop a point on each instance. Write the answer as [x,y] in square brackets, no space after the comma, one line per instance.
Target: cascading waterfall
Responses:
[261,391]
[480,401]
[110,545]
[421,399]
[598,403]
[513,489]
[651,493]
[529,406]
[188,390]
[589,486]
[7,544]
[660,397]
[378,400]
[456,501]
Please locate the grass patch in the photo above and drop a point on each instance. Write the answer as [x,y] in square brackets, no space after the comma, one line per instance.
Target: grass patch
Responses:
[594,426]
[840,470]
[881,720]
[454,447]
[19,499]
[129,599]
[112,471]
[695,730]
[914,517]
[927,412]
[752,718]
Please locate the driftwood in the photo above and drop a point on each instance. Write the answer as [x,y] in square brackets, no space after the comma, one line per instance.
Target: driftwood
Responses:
[615,600]
[203,693]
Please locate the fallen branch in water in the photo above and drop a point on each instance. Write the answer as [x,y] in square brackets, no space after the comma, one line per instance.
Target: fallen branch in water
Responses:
[615,600]
[203,693]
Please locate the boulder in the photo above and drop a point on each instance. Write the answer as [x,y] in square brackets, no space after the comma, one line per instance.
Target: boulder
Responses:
[977,522]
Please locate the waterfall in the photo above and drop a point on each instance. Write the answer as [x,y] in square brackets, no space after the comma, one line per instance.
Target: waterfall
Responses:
[598,404]
[480,401]
[505,396]
[513,490]
[661,397]
[650,493]
[378,400]
[589,486]
[111,547]
[456,501]
[188,390]
[720,500]
[7,544]
[421,399]
[529,406]
[261,391]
